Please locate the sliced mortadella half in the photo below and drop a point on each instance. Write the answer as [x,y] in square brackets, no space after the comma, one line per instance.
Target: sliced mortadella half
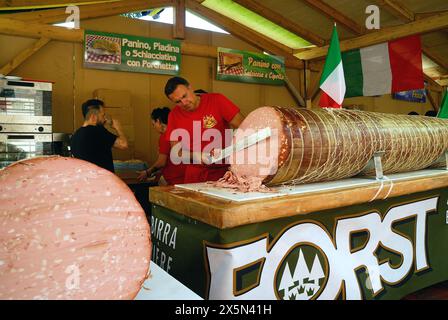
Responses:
[70,230]
[259,162]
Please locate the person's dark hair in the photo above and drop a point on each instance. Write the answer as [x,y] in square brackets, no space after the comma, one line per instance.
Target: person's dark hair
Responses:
[91,105]
[172,84]
[431,113]
[413,113]
[200,91]
[160,114]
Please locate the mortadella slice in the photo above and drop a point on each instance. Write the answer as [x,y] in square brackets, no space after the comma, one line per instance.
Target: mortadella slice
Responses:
[70,230]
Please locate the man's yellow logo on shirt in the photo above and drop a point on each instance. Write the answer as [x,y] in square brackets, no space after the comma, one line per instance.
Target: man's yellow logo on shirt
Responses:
[209,121]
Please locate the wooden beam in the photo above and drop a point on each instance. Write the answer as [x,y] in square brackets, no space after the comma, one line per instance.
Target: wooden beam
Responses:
[20,58]
[423,15]
[90,11]
[294,92]
[433,85]
[434,57]
[246,34]
[280,20]
[33,30]
[336,15]
[433,23]
[179,19]
[32,4]
[398,9]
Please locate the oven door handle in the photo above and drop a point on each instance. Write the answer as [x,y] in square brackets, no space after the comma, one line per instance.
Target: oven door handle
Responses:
[21,137]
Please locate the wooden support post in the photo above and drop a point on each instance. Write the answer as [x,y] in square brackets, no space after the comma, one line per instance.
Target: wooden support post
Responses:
[307,76]
[20,58]
[90,11]
[431,99]
[294,92]
[179,20]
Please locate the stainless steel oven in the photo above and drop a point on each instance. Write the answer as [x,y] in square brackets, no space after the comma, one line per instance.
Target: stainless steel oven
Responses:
[25,120]
[25,98]
[18,146]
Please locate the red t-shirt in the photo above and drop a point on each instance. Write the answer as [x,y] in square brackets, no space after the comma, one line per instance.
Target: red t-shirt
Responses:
[173,174]
[203,130]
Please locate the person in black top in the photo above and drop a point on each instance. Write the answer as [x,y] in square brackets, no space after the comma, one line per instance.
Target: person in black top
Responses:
[93,142]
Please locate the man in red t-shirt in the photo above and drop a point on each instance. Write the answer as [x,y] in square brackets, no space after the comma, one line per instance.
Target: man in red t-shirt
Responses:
[197,125]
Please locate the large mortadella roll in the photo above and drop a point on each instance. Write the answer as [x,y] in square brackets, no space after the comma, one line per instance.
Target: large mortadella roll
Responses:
[323,144]
[70,230]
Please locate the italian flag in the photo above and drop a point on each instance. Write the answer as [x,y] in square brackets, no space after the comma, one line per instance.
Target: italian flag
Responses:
[443,110]
[384,68]
[332,81]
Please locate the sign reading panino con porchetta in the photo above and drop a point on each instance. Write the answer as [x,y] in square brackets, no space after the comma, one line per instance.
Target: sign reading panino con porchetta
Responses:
[111,51]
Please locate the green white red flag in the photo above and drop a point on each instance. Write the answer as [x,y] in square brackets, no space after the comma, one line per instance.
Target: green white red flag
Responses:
[332,81]
[384,68]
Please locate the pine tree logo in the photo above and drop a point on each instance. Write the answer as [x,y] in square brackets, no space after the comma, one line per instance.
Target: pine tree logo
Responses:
[295,280]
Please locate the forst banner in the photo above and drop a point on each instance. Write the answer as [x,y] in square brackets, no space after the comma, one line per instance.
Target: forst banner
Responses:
[251,67]
[110,51]
[380,250]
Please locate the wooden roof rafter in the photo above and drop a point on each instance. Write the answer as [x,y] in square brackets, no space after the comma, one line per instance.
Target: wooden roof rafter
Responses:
[280,20]
[23,56]
[336,15]
[433,23]
[90,11]
[418,15]
[26,4]
[244,33]
[397,9]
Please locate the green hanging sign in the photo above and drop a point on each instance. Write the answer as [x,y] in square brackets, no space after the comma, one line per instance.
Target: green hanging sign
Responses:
[250,67]
[110,51]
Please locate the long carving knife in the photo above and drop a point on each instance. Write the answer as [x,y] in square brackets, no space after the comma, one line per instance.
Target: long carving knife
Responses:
[242,144]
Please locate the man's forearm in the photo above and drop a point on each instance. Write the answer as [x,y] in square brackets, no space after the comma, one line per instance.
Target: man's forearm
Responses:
[195,157]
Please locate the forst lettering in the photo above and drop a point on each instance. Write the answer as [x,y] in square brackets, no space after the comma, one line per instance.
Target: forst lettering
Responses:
[343,261]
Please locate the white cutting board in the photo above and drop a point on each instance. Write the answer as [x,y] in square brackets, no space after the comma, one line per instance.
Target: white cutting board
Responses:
[230,194]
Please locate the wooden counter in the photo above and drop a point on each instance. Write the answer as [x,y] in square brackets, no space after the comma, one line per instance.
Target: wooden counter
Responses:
[222,213]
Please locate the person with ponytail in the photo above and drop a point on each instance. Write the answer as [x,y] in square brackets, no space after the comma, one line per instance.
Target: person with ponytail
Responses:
[171,173]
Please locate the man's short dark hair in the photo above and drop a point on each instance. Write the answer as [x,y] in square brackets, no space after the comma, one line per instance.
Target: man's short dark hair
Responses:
[160,114]
[92,104]
[172,84]
[200,91]
[431,113]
